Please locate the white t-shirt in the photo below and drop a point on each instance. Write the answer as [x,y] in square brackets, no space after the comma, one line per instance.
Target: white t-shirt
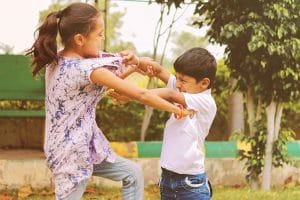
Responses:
[182,149]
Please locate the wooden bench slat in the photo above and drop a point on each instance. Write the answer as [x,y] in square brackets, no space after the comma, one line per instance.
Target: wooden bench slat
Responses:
[22,113]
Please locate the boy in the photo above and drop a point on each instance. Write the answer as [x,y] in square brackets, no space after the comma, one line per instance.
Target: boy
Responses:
[182,159]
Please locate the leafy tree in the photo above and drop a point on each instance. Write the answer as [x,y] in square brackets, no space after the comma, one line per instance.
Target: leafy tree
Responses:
[6,49]
[263,48]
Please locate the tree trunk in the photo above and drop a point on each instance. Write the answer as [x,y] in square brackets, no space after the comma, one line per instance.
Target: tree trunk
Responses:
[152,83]
[146,121]
[266,173]
[250,110]
[235,111]
[148,111]
[278,120]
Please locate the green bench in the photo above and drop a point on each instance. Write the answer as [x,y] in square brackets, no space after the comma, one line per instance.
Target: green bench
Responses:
[17,83]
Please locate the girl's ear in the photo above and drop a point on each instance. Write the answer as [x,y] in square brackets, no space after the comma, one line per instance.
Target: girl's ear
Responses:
[205,83]
[79,39]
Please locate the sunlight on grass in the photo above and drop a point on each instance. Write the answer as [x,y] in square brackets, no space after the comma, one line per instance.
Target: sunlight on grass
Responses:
[152,193]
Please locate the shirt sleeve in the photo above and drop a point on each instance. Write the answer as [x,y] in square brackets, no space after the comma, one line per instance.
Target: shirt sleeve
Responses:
[200,102]
[171,82]
[113,64]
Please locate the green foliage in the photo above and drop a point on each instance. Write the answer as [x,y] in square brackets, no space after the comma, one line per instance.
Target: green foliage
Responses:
[262,39]
[171,2]
[254,157]
[291,117]
[220,92]
[6,49]
[263,43]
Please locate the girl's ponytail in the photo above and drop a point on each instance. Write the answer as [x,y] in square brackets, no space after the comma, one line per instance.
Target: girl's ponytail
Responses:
[44,49]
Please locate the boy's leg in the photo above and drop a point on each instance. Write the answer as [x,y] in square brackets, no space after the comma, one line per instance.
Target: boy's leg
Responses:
[126,171]
[78,192]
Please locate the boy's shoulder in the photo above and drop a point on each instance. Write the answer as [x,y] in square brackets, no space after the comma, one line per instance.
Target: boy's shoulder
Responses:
[201,100]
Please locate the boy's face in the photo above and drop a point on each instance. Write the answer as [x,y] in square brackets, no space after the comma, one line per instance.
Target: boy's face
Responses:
[189,84]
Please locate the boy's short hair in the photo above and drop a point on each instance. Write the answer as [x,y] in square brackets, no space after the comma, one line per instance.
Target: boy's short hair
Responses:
[197,63]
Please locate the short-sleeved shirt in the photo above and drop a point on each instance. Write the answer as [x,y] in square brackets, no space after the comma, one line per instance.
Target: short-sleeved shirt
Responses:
[73,141]
[182,150]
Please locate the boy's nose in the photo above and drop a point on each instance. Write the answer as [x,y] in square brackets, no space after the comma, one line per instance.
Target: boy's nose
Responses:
[178,85]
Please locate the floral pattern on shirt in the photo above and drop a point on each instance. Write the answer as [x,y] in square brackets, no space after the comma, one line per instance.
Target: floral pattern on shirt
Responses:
[73,141]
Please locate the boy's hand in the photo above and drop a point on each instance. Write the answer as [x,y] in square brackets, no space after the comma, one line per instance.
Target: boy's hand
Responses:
[129,58]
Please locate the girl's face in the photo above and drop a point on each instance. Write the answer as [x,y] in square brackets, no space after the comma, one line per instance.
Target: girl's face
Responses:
[93,42]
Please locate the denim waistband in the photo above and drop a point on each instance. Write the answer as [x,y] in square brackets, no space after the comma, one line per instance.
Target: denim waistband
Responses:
[174,174]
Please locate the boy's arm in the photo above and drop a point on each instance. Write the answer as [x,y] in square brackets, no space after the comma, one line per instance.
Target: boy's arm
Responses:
[157,70]
[170,95]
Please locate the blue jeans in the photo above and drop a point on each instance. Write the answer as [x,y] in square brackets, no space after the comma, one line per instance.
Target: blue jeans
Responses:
[175,186]
[123,170]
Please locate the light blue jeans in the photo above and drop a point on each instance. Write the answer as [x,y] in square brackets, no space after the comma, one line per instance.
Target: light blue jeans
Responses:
[123,170]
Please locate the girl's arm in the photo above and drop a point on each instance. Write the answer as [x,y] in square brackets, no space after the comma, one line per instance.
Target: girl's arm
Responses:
[105,77]
[170,95]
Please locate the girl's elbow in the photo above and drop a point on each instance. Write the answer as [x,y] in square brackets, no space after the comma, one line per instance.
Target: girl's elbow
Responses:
[144,96]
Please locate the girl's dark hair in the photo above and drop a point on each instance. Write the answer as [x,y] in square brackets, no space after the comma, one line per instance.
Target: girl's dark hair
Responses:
[197,63]
[77,18]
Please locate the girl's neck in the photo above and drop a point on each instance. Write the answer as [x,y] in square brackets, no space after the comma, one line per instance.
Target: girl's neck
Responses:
[69,53]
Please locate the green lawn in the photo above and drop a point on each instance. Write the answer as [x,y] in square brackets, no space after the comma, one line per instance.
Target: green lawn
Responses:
[152,193]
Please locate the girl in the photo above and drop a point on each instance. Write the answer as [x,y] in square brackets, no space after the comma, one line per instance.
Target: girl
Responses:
[76,78]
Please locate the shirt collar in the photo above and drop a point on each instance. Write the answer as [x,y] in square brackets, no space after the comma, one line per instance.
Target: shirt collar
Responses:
[207,91]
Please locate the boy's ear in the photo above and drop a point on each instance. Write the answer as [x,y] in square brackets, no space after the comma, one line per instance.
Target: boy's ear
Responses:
[205,83]
[79,39]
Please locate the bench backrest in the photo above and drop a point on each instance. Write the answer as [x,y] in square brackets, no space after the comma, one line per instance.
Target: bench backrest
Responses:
[16,81]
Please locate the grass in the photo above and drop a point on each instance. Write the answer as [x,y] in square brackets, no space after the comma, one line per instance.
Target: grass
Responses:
[152,193]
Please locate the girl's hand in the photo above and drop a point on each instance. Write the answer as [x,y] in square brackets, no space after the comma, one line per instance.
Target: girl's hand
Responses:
[118,98]
[184,112]
[189,112]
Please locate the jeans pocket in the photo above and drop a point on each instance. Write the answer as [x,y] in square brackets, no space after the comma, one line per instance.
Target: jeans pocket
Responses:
[209,188]
[195,184]
[160,185]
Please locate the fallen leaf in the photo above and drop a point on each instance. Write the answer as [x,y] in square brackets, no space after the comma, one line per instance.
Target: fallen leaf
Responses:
[90,190]
[5,197]
[24,191]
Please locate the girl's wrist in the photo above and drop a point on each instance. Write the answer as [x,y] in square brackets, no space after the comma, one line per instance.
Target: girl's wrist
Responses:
[138,62]
[179,114]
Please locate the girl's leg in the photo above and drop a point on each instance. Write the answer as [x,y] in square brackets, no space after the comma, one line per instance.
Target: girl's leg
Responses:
[126,171]
[78,192]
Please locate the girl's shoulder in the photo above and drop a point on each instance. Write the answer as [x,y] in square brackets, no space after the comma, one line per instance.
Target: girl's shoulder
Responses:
[110,63]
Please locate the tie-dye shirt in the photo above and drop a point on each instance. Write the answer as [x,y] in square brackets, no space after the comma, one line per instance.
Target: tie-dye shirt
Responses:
[73,141]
